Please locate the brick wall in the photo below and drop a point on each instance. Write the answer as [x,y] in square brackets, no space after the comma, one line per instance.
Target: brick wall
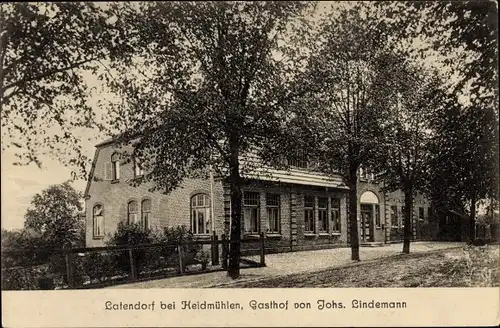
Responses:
[166,210]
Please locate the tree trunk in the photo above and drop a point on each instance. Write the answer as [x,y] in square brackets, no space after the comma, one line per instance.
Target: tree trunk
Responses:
[407,219]
[353,212]
[235,184]
[472,223]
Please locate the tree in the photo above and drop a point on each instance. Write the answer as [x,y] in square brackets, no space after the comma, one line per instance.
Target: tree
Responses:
[55,215]
[346,102]
[45,51]
[403,161]
[207,84]
[466,33]
[464,162]
[468,29]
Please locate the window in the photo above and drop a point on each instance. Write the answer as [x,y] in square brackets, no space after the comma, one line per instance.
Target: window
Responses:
[394,216]
[273,213]
[98,219]
[115,166]
[200,214]
[132,212]
[365,174]
[298,160]
[309,214]
[335,214]
[403,218]
[145,213]
[251,201]
[376,208]
[138,170]
[323,214]
[421,216]
[429,214]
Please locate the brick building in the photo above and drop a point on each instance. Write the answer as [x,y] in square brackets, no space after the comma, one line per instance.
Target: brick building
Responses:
[297,209]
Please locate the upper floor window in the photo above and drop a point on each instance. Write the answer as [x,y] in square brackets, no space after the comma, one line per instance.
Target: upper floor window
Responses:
[251,212]
[115,166]
[138,168]
[273,213]
[309,214]
[98,221]
[200,214]
[145,213]
[336,214]
[298,160]
[132,212]
[365,174]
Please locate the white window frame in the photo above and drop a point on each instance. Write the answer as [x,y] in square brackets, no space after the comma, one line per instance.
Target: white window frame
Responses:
[98,221]
[251,212]
[307,211]
[273,211]
[132,216]
[200,206]
[146,213]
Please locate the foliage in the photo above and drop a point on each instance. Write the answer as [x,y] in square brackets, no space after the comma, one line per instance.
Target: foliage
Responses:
[467,29]
[130,234]
[465,33]
[341,117]
[464,162]
[207,83]
[47,50]
[23,278]
[55,215]
[24,248]
[405,150]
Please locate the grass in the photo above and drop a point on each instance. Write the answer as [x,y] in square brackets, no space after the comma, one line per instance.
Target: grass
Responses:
[458,267]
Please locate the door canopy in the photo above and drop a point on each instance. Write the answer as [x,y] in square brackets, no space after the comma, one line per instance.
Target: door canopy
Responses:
[369,197]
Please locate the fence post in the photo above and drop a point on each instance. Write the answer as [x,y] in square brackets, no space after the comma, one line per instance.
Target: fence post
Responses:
[132,262]
[224,251]
[215,249]
[68,256]
[262,250]
[181,259]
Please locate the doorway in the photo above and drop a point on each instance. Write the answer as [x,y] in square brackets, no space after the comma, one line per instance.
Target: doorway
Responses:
[371,228]
[366,222]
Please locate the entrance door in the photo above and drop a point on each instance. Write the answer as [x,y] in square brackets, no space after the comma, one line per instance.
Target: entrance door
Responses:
[366,222]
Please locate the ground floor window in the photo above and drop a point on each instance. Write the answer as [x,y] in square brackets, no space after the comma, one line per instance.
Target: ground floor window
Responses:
[98,221]
[335,211]
[394,216]
[200,214]
[145,213]
[376,208]
[273,213]
[421,215]
[309,214]
[132,212]
[251,212]
[323,214]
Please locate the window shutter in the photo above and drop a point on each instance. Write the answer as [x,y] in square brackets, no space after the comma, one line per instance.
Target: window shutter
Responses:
[107,171]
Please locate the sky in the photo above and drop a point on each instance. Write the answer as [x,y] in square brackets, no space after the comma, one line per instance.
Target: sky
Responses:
[20,183]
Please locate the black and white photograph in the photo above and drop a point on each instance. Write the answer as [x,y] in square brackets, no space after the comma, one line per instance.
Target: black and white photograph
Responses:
[249,144]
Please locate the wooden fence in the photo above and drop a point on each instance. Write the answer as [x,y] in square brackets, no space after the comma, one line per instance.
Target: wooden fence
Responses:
[130,259]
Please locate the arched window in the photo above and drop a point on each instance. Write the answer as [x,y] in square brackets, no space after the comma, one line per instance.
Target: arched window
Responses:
[98,221]
[200,214]
[132,212]
[145,213]
[115,166]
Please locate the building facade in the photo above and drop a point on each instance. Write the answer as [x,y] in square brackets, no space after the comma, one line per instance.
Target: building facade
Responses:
[297,209]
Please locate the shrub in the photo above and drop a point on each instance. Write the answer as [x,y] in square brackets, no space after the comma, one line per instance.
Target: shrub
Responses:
[131,234]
